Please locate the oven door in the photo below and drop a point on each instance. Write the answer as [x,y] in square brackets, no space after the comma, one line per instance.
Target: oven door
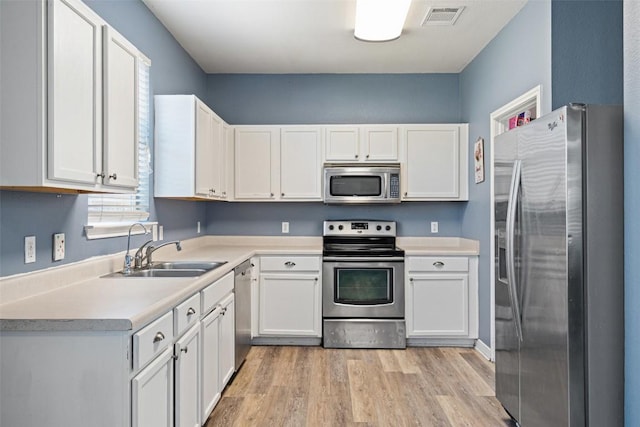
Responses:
[363,288]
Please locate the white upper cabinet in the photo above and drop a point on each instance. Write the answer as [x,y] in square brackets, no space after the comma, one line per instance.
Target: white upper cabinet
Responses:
[120,110]
[375,143]
[256,162]
[301,163]
[435,162]
[70,93]
[190,149]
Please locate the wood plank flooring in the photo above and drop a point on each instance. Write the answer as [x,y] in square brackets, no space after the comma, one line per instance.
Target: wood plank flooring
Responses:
[313,386]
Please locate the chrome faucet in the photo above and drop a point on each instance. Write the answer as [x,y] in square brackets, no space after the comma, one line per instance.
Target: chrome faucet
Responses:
[127,258]
[150,250]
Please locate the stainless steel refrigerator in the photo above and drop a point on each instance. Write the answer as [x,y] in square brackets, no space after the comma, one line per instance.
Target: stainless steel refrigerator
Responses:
[559,319]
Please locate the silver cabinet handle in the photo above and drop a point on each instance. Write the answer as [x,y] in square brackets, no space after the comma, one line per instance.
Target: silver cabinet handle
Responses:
[159,337]
[290,264]
[438,264]
[191,311]
[101,175]
[184,350]
[113,176]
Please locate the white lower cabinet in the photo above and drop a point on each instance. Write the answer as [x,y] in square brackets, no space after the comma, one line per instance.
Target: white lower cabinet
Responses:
[152,393]
[218,343]
[442,298]
[211,389]
[290,299]
[187,378]
[227,340]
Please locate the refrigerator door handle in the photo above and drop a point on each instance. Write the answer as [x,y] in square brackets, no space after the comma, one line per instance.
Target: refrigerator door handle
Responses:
[510,249]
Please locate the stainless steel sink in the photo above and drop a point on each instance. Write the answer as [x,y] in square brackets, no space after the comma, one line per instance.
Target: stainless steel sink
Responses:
[186,265]
[172,269]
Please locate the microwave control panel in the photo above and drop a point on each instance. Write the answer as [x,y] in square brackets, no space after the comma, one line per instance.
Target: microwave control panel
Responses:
[394,186]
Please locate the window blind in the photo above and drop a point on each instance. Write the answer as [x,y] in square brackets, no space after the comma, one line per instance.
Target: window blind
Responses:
[129,208]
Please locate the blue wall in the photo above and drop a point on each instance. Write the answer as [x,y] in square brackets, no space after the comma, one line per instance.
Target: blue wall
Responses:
[632,209]
[23,214]
[504,70]
[326,99]
[586,52]
[334,98]
[305,219]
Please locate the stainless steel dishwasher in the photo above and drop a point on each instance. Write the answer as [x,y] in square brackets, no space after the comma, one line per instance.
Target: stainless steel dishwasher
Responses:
[242,284]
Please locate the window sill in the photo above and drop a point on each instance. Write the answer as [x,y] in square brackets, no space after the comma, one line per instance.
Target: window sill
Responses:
[116,229]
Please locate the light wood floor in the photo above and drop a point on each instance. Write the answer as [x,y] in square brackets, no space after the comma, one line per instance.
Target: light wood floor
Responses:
[313,386]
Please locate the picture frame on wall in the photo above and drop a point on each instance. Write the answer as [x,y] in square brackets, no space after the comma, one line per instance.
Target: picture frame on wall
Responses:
[478,155]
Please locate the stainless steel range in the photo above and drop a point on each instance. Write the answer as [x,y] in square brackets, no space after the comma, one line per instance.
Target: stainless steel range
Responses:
[362,285]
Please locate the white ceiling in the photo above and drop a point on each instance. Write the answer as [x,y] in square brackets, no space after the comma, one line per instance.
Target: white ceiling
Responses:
[316,36]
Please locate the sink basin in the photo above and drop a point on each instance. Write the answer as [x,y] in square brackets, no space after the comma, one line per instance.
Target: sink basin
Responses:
[186,265]
[172,269]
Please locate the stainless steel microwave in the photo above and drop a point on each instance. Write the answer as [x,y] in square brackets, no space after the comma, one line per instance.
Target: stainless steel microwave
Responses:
[361,183]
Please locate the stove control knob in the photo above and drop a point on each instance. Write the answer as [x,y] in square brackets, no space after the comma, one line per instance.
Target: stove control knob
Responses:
[379,228]
[340,227]
[388,227]
[331,227]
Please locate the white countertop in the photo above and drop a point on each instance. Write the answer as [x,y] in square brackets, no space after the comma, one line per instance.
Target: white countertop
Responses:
[75,298]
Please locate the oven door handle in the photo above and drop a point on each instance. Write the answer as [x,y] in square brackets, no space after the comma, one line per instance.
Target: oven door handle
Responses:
[362,259]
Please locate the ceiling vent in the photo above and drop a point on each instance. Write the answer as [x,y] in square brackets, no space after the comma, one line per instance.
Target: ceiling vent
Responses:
[442,15]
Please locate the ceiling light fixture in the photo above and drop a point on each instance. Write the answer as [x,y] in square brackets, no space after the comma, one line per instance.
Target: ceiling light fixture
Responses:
[380,20]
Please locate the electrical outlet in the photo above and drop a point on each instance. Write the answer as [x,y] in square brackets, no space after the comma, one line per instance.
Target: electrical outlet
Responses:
[198,227]
[434,226]
[160,232]
[285,227]
[58,246]
[29,249]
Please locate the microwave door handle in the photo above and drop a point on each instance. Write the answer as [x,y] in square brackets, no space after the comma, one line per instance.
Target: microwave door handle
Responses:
[387,190]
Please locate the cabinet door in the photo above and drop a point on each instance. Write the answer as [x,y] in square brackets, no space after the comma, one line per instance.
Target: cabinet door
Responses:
[152,393]
[217,161]
[227,341]
[204,150]
[380,143]
[255,163]
[187,375]
[290,304]
[300,163]
[432,162]
[438,305]
[74,143]
[342,143]
[120,141]
[210,363]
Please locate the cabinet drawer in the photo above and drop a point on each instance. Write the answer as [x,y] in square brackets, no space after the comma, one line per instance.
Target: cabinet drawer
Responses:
[213,293]
[152,339]
[438,264]
[290,263]
[186,314]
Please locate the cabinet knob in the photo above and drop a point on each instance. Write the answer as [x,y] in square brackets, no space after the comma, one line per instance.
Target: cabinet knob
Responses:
[411,279]
[282,194]
[213,190]
[100,175]
[406,194]
[272,194]
[356,156]
[316,279]
[367,156]
[159,337]
[191,311]
[113,176]
[290,264]
[185,350]
[224,193]
[438,264]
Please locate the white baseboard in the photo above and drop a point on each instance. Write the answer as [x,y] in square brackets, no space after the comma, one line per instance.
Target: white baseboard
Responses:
[484,349]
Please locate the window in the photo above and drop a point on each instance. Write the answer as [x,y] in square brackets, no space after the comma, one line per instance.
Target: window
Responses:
[111,215]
